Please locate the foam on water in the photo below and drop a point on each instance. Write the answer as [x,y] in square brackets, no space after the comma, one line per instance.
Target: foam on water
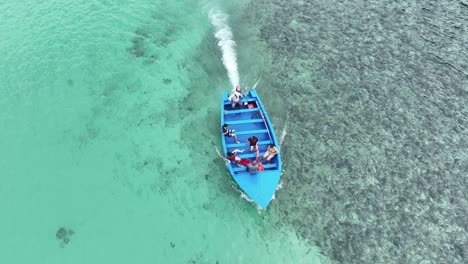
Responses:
[283,132]
[280,185]
[226,43]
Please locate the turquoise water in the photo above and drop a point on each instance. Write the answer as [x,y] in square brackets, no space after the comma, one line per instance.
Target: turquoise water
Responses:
[109,135]
[110,131]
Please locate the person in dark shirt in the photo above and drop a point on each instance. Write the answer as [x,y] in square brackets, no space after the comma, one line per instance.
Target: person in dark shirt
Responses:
[253,142]
[229,132]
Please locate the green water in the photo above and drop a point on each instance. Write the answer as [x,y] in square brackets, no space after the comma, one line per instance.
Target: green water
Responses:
[110,127]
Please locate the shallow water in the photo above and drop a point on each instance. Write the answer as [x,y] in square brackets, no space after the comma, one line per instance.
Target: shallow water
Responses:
[110,130]
[109,135]
[374,97]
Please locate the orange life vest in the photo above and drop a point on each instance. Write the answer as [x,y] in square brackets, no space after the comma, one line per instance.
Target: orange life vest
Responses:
[261,167]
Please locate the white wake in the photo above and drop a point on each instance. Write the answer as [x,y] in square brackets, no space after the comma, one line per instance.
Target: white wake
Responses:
[226,43]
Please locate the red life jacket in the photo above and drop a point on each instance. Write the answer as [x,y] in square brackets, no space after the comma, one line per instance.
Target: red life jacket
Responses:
[261,167]
[245,161]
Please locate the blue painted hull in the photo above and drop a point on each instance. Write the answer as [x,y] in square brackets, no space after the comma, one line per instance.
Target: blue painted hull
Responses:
[249,122]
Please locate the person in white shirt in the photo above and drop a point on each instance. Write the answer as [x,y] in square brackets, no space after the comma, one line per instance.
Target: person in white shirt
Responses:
[235,98]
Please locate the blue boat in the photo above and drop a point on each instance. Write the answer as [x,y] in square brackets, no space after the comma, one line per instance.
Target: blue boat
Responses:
[251,120]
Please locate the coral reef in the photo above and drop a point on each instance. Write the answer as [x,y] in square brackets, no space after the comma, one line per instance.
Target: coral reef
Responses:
[375,154]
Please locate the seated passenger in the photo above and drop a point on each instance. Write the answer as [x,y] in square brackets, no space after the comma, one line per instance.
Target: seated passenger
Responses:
[253,142]
[229,133]
[270,153]
[235,98]
[231,156]
[253,167]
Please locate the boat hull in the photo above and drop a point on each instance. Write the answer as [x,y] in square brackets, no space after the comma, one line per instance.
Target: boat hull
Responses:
[251,120]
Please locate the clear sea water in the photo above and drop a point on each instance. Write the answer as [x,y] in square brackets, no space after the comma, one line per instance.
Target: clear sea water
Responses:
[110,131]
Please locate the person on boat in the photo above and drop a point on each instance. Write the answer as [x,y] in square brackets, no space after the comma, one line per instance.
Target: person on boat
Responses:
[231,156]
[252,168]
[229,132]
[253,143]
[270,153]
[235,98]
[245,161]
[261,167]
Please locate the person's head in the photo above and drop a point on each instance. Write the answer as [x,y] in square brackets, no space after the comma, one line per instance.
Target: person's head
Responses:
[272,145]
[238,89]
[225,125]
[229,153]
[254,162]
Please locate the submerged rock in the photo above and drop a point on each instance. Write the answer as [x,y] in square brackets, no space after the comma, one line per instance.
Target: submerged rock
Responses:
[64,235]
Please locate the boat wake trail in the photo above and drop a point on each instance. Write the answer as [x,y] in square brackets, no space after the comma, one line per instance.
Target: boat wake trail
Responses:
[217,151]
[280,186]
[247,198]
[226,43]
[284,133]
[219,154]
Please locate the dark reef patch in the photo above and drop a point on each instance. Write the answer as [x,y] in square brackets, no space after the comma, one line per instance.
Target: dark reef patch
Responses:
[151,59]
[138,46]
[378,91]
[64,235]
[149,42]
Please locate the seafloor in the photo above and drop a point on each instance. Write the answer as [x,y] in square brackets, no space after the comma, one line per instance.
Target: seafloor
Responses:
[375,98]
